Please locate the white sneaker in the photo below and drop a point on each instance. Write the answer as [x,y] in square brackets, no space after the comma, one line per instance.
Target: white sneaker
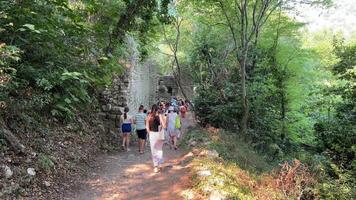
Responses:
[155,170]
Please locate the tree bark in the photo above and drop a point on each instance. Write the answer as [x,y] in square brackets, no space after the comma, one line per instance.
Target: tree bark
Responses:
[12,139]
[245,105]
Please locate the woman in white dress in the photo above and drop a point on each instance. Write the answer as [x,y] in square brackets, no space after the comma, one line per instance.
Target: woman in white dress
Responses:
[154,128]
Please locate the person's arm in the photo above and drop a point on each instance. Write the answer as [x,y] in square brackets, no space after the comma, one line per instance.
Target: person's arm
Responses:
[160,122]
[133,119]
[167,120]
[147,126]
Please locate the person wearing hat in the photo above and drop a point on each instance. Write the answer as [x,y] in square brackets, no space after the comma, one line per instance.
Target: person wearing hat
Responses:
[171,126]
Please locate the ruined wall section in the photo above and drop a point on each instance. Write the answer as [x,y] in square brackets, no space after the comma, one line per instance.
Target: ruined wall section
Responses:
[113,100]
[142,86]
[135,87]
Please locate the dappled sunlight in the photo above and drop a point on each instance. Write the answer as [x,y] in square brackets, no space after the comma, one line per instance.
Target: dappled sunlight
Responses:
[136,180]
[129,175]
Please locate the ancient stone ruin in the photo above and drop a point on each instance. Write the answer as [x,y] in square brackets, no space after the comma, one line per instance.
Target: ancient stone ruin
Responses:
[140,84]
[135,87]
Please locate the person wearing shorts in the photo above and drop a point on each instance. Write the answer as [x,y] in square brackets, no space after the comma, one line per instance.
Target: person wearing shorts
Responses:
[126,130]
[140,121]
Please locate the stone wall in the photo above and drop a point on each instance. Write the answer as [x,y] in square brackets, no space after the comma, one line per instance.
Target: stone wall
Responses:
[113,100]
[135,87]
[142,86]
[167,88]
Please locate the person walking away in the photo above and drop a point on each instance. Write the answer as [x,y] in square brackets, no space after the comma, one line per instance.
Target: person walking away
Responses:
[178,126]
[140,122]
[163,113]
[153,127]
[171,127]
[182,109]
[174,102]
[126,129]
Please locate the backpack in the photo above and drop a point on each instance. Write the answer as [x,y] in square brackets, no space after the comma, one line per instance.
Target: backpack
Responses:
[177,122]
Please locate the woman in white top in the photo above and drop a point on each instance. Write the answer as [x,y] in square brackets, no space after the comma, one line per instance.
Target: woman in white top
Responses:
[126,129]
[171,126]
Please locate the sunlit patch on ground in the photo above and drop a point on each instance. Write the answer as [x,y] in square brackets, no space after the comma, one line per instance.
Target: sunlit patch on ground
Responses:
[130,175]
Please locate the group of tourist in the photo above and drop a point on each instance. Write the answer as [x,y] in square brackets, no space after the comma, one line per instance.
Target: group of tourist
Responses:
[162,124]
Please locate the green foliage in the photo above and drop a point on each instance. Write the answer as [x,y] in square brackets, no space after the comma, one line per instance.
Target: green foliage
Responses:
[338,186]
[54,54]
[300,88]
[45,162]
[338,132]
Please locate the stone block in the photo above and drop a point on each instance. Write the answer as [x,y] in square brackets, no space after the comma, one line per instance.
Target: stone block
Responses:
[112,116]
[116,110]
[104,108]
[109,107]
[102,115]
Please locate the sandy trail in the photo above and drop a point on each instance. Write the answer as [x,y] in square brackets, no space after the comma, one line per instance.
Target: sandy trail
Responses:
[129,175]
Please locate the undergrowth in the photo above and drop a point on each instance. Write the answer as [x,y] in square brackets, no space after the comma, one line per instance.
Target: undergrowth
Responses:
[241,173]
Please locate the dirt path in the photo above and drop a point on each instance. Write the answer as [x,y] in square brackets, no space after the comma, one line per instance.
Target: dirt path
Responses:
[129,175]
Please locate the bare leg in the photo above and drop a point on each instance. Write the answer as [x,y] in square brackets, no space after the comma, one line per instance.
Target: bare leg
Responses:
[142,145]
[175,142]
[123,140]
[127,141]
[171,142]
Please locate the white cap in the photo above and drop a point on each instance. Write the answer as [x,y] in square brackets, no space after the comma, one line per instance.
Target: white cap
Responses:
[171,108]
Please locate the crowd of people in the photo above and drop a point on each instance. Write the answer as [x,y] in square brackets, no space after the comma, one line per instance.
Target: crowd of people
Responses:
[160,125]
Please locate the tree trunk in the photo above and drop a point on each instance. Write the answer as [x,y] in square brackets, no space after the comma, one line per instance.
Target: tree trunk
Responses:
[283,114]
[245,106]
[12,139]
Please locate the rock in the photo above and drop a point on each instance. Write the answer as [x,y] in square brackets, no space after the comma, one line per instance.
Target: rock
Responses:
[192,143]
[102,115]
[7,171]
[112,116]
[104,108]
[47,184]
[31,171]
[216,195]
[209,153]
[207,143]
[116,110]
[204,173]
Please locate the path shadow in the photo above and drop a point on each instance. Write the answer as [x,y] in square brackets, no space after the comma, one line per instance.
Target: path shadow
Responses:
[129,175]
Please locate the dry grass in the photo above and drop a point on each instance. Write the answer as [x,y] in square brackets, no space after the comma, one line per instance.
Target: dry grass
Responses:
[240,173]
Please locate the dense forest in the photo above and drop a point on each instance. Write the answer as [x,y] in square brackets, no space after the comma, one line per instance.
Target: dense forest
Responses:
[258,73]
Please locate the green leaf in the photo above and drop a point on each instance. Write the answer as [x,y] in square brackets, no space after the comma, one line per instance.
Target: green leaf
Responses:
[29,26]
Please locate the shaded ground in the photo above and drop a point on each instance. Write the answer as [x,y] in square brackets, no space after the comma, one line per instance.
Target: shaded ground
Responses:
[129,175]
